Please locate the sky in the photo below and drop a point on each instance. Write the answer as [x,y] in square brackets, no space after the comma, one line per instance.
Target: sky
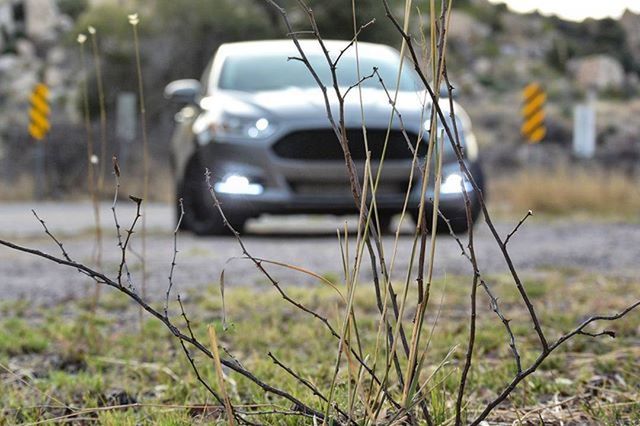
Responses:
[575,10]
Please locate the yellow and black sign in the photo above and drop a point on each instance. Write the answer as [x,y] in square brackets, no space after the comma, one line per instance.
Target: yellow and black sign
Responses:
[533,128]
[39,113]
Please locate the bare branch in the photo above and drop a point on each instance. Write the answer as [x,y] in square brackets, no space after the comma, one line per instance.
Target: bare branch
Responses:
[544,355]
[463,167]
[258,263]
[512,340]
[308,385]
[123,246]
[101,278]
[506,240]
[175,255]
[46,230]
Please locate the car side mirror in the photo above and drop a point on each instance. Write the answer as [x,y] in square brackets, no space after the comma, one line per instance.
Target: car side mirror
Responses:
[183,91]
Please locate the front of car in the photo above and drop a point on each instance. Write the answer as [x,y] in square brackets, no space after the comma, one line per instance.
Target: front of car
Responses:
[264,131]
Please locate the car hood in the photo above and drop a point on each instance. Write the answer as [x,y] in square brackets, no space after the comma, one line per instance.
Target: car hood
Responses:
[305,104]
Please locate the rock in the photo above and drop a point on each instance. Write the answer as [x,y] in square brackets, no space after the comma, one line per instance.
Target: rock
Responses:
[55,77]
[41,19]
[116,397]
[519,26]
[482,66]
[597,72]
[465,28]
[56,56]
[631,24]
[18,76]
[57,72]
[7,63]
[25,49]
[6,18]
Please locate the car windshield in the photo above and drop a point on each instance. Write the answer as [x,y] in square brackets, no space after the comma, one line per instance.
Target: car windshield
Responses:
[274,71]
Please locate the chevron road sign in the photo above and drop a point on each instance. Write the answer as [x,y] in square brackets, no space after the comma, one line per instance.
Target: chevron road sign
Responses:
[533,115]
[39,112]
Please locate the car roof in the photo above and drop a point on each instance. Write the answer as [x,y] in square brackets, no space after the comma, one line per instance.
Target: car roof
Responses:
[308,45]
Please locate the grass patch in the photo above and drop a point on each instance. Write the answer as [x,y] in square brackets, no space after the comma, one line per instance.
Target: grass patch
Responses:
[61,361]
[565,191]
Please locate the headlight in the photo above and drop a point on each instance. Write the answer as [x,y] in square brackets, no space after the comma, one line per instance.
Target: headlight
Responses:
[452,184]
[229,126]
[242,127]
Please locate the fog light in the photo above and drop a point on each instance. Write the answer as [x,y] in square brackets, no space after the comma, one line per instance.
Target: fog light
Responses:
[239,185]
[453,184]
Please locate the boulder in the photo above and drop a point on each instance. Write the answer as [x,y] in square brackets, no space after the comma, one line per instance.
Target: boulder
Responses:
[57,55]
[631,24]
[597,72]
[25,49]
[41,19]
[465,28]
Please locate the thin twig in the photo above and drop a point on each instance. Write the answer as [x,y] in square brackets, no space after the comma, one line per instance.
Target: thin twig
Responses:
[579,330]
[103,279]
[175,255]
[472,181]
[506,240]
[258,263]
[123,247]
[46,230]
[308,385]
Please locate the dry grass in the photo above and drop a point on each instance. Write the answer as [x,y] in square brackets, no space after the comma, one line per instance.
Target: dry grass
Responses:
[160,190]
[22,189]
[567,192]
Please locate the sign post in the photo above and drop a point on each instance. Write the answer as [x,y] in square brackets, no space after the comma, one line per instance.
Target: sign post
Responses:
[533,115]
[38,128]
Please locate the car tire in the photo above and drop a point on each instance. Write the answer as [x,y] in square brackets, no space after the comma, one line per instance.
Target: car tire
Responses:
[384,219]
[457,219]
[201,216]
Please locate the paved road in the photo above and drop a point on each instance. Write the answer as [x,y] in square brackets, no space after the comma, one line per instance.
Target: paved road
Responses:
[309,242]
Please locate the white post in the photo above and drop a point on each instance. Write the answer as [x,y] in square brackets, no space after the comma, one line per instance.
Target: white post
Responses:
[126,124]
[584,128]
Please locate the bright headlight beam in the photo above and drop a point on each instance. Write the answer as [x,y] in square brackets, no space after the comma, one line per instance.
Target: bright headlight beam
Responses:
[238,185]
[262,124]
[453,184]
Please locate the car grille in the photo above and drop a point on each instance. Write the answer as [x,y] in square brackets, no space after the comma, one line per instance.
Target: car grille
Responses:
[322,144]
[342,190]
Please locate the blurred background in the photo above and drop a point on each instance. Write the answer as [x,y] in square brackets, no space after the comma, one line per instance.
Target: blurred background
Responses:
[493,53]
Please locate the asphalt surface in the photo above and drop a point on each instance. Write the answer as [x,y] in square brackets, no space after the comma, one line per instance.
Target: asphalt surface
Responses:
[308,242]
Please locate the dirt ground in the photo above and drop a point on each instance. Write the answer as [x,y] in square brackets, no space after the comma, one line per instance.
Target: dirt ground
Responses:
[309,242]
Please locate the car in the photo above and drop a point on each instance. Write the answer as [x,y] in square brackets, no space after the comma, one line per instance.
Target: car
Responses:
[258,121]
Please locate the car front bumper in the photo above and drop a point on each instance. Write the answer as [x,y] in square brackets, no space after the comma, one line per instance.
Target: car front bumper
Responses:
[269,184]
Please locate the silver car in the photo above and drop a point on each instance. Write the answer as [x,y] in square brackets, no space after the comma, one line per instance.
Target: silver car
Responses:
[258,121]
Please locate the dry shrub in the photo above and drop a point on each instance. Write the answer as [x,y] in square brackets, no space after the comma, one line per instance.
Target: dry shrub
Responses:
[565,191]
[21,189]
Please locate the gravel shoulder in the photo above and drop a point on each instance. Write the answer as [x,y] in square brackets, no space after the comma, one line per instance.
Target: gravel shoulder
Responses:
[309,242]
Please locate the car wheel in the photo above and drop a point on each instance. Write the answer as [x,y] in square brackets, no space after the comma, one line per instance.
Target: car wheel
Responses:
[457,219]
[200,214]
[385,223]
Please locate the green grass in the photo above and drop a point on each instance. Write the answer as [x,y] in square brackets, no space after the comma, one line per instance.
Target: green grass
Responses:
[63,360]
